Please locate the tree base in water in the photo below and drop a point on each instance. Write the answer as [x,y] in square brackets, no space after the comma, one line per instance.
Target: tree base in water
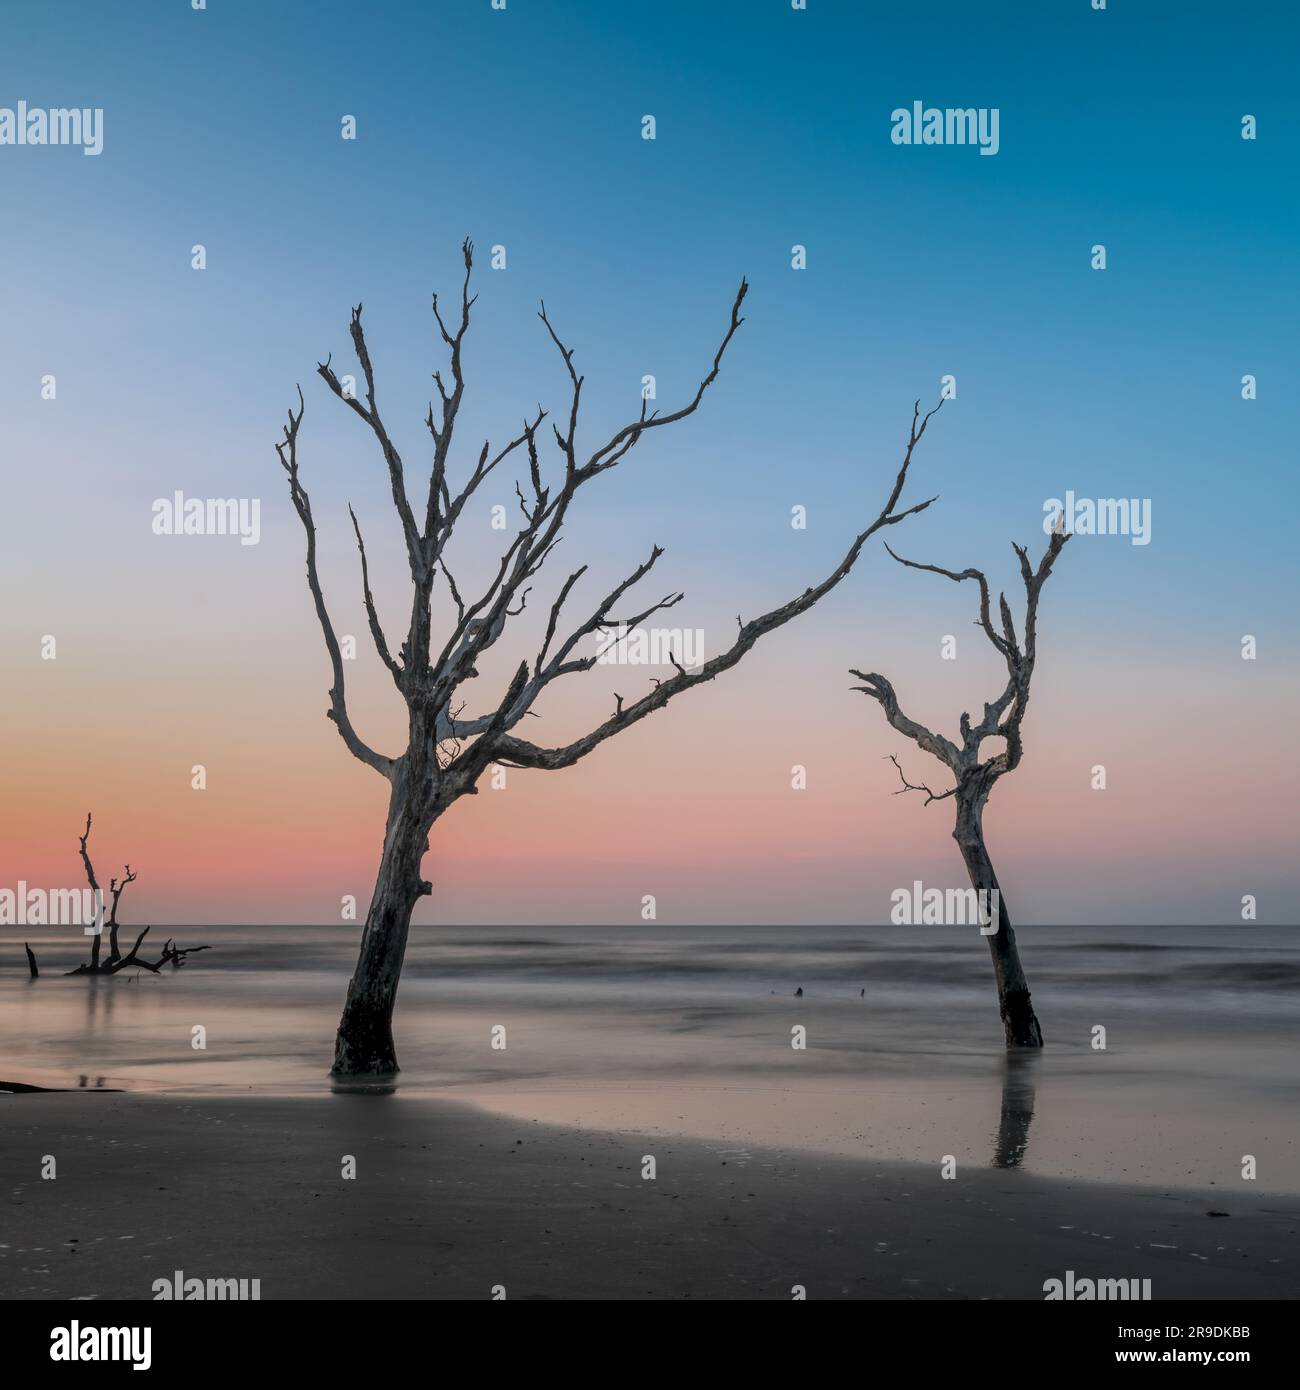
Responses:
[1019,1022]
[364,1047]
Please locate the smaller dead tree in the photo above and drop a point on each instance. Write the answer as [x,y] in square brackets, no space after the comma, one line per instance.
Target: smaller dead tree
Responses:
[975,777]
[116,962]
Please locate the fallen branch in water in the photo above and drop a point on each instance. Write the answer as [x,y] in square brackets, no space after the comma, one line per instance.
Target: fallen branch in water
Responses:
[111,967]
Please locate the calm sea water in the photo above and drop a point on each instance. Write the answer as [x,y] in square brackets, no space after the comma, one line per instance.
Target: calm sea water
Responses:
[672,1030]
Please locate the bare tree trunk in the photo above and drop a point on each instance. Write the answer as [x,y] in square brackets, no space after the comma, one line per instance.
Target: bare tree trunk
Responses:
[98,896]
[364,1044]
[1018,1019]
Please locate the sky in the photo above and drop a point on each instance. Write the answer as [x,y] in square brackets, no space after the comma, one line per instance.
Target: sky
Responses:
[523,128]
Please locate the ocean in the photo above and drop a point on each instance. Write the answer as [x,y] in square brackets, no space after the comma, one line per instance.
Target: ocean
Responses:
[1171,1054]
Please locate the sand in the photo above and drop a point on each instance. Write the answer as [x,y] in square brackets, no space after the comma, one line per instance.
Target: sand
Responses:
[449,1201]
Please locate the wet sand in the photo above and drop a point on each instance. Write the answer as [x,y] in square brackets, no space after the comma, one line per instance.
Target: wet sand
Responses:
[686,1033]
[450,1201]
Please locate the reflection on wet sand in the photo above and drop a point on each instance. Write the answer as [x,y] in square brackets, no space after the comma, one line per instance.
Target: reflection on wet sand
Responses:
[686,1032]
[1017,1107]
[100,997]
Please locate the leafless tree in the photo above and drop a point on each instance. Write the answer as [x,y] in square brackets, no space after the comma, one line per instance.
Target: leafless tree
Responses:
[116,962]
[446,753]
[975,776]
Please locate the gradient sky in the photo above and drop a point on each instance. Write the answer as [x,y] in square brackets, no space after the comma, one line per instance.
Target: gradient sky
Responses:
[523,128]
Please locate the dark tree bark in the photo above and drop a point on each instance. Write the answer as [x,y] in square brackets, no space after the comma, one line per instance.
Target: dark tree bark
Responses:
[1019,1022]
[974,778]
[98,936]
[116,888]
[116,961]
[447,752]
[364,1044]
[114,967]
[172,954]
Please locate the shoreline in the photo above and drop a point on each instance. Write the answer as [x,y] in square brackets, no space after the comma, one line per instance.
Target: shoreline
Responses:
[449,1201]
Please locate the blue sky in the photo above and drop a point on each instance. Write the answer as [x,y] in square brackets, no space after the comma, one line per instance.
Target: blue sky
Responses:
[522,128]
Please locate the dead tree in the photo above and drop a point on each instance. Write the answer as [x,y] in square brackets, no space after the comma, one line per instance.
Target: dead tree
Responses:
[446,753]
[116,888]
[975,777]
[116,962]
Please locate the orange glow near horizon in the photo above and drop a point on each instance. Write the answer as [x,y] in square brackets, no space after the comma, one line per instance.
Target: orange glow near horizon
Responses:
[694,805]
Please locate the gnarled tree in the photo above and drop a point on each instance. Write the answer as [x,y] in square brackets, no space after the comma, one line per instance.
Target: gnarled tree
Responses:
[116,962]
[975,775]
[446,753]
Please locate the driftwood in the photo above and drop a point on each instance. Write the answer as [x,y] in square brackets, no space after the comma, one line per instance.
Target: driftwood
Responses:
[116,962]
[112,967]
[177,956]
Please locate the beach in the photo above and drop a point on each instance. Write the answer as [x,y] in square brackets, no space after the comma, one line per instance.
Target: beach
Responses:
[193,1126]
[451,1202]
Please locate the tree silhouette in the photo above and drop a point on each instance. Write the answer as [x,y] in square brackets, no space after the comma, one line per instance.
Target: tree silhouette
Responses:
[446,752]
[975,777]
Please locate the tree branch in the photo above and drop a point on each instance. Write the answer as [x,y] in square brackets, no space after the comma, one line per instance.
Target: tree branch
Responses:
[883,693]
[370,414]
[958,575]
[287,451]
[609,454]
[376,630]
[521,753]
[920,787]
[1002,717]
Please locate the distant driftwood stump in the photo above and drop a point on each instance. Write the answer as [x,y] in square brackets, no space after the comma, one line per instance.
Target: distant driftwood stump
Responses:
[116,961]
